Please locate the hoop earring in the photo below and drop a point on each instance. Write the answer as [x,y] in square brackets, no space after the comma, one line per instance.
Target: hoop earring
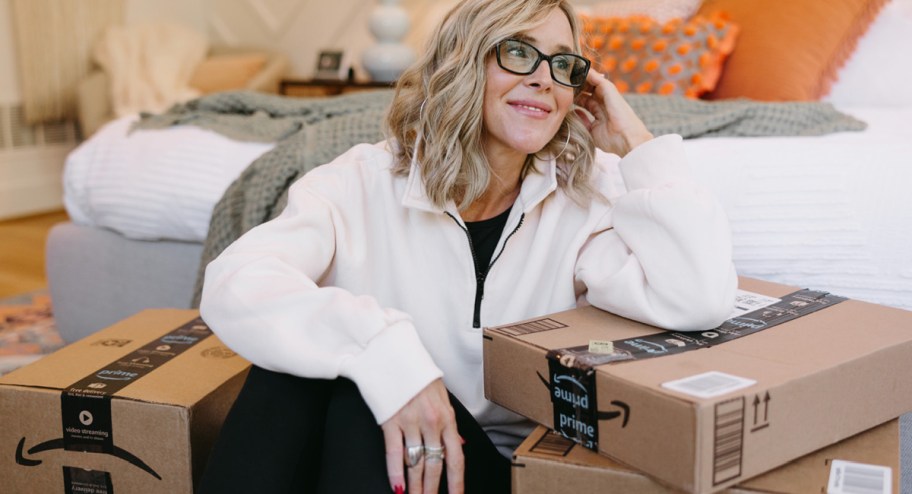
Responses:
[418,135]
[566,142]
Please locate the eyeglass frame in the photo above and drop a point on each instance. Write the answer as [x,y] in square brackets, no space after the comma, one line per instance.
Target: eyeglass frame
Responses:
[541,56]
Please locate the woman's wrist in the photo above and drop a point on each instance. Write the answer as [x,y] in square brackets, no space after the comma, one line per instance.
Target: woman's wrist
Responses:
[634,139]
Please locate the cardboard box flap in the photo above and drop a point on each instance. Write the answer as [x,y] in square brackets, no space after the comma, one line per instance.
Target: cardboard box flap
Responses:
[193,366]
[546,445]
[809,349]
[589,320]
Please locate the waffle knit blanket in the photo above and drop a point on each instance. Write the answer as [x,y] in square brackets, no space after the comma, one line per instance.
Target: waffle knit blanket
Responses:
[310,132]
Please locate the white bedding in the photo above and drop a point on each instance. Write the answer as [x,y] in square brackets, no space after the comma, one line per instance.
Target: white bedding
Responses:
[153,184]
[831,212]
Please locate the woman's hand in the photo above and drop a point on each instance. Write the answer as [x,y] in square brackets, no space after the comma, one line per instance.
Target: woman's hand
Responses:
[616,127]
[428,420]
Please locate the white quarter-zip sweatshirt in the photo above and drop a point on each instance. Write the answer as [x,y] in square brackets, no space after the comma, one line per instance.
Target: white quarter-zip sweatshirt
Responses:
[362,277]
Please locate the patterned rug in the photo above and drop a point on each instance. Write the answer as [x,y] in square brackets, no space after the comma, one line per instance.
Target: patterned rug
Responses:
[27,330]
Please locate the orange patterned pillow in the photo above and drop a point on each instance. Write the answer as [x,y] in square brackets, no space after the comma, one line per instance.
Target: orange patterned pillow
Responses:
[641,55]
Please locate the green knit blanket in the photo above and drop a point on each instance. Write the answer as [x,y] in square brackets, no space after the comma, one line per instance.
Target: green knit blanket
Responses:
[312,131]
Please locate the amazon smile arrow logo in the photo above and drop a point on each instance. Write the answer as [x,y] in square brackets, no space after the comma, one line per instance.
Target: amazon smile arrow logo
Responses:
[58,444]
[624,409]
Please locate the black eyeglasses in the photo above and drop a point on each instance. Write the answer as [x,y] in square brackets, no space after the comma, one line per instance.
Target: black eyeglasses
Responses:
[521,58]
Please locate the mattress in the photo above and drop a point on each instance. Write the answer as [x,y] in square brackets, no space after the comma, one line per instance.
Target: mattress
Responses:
[831,212]
[153,184]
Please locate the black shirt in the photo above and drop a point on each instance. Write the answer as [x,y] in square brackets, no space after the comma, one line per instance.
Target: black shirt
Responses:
[485,234]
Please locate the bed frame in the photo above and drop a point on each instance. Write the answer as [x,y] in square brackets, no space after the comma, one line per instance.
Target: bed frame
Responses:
[98,277]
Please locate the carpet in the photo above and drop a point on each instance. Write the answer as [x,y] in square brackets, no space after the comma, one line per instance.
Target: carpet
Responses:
[27,330]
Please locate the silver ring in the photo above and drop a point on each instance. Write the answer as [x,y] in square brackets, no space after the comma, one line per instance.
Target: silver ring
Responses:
[413,455]
[434,454]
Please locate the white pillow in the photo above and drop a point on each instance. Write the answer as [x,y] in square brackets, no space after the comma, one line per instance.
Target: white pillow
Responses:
[879,73]
[661,10]
[153,184]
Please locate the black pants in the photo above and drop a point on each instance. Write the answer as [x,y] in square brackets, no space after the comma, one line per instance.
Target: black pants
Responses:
[286,434]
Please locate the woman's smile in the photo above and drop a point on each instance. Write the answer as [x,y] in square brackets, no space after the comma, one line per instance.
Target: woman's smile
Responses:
[530,108]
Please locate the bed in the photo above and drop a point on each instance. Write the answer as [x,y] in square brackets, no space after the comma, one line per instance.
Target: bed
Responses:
[830,211]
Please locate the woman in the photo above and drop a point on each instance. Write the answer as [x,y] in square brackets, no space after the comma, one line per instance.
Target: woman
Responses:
[487,205]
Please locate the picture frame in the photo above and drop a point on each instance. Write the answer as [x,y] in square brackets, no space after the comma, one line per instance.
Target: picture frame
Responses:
[332,64]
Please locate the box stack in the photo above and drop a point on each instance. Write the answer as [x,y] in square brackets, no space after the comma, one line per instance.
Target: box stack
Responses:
[132,408]
[792,372]
[547,462]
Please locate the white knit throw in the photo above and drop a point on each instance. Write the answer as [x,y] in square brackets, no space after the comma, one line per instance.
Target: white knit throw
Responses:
[150,65]
[53,41]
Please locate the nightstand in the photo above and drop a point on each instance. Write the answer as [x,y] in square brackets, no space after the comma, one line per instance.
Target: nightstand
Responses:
[317,87]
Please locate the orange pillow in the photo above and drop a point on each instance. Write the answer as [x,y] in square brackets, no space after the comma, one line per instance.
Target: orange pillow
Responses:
[226,72]
[641,55]
[789,50]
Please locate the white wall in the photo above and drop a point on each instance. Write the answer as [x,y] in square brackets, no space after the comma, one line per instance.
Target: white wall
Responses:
[299,28]
[29,176]
[302,28]
[192,13]
[308,26]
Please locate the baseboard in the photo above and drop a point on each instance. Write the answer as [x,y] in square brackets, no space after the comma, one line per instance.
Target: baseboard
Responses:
[31,163]
[31,180]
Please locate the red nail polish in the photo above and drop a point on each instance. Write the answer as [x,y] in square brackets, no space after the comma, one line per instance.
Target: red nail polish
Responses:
[400,489]
[461,439]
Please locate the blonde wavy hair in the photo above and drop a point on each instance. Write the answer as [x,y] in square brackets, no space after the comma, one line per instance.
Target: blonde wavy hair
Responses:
[441,97]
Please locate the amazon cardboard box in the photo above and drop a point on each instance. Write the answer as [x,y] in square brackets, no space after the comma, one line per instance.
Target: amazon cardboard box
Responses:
[791,372]
[133,408]
[547,462]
